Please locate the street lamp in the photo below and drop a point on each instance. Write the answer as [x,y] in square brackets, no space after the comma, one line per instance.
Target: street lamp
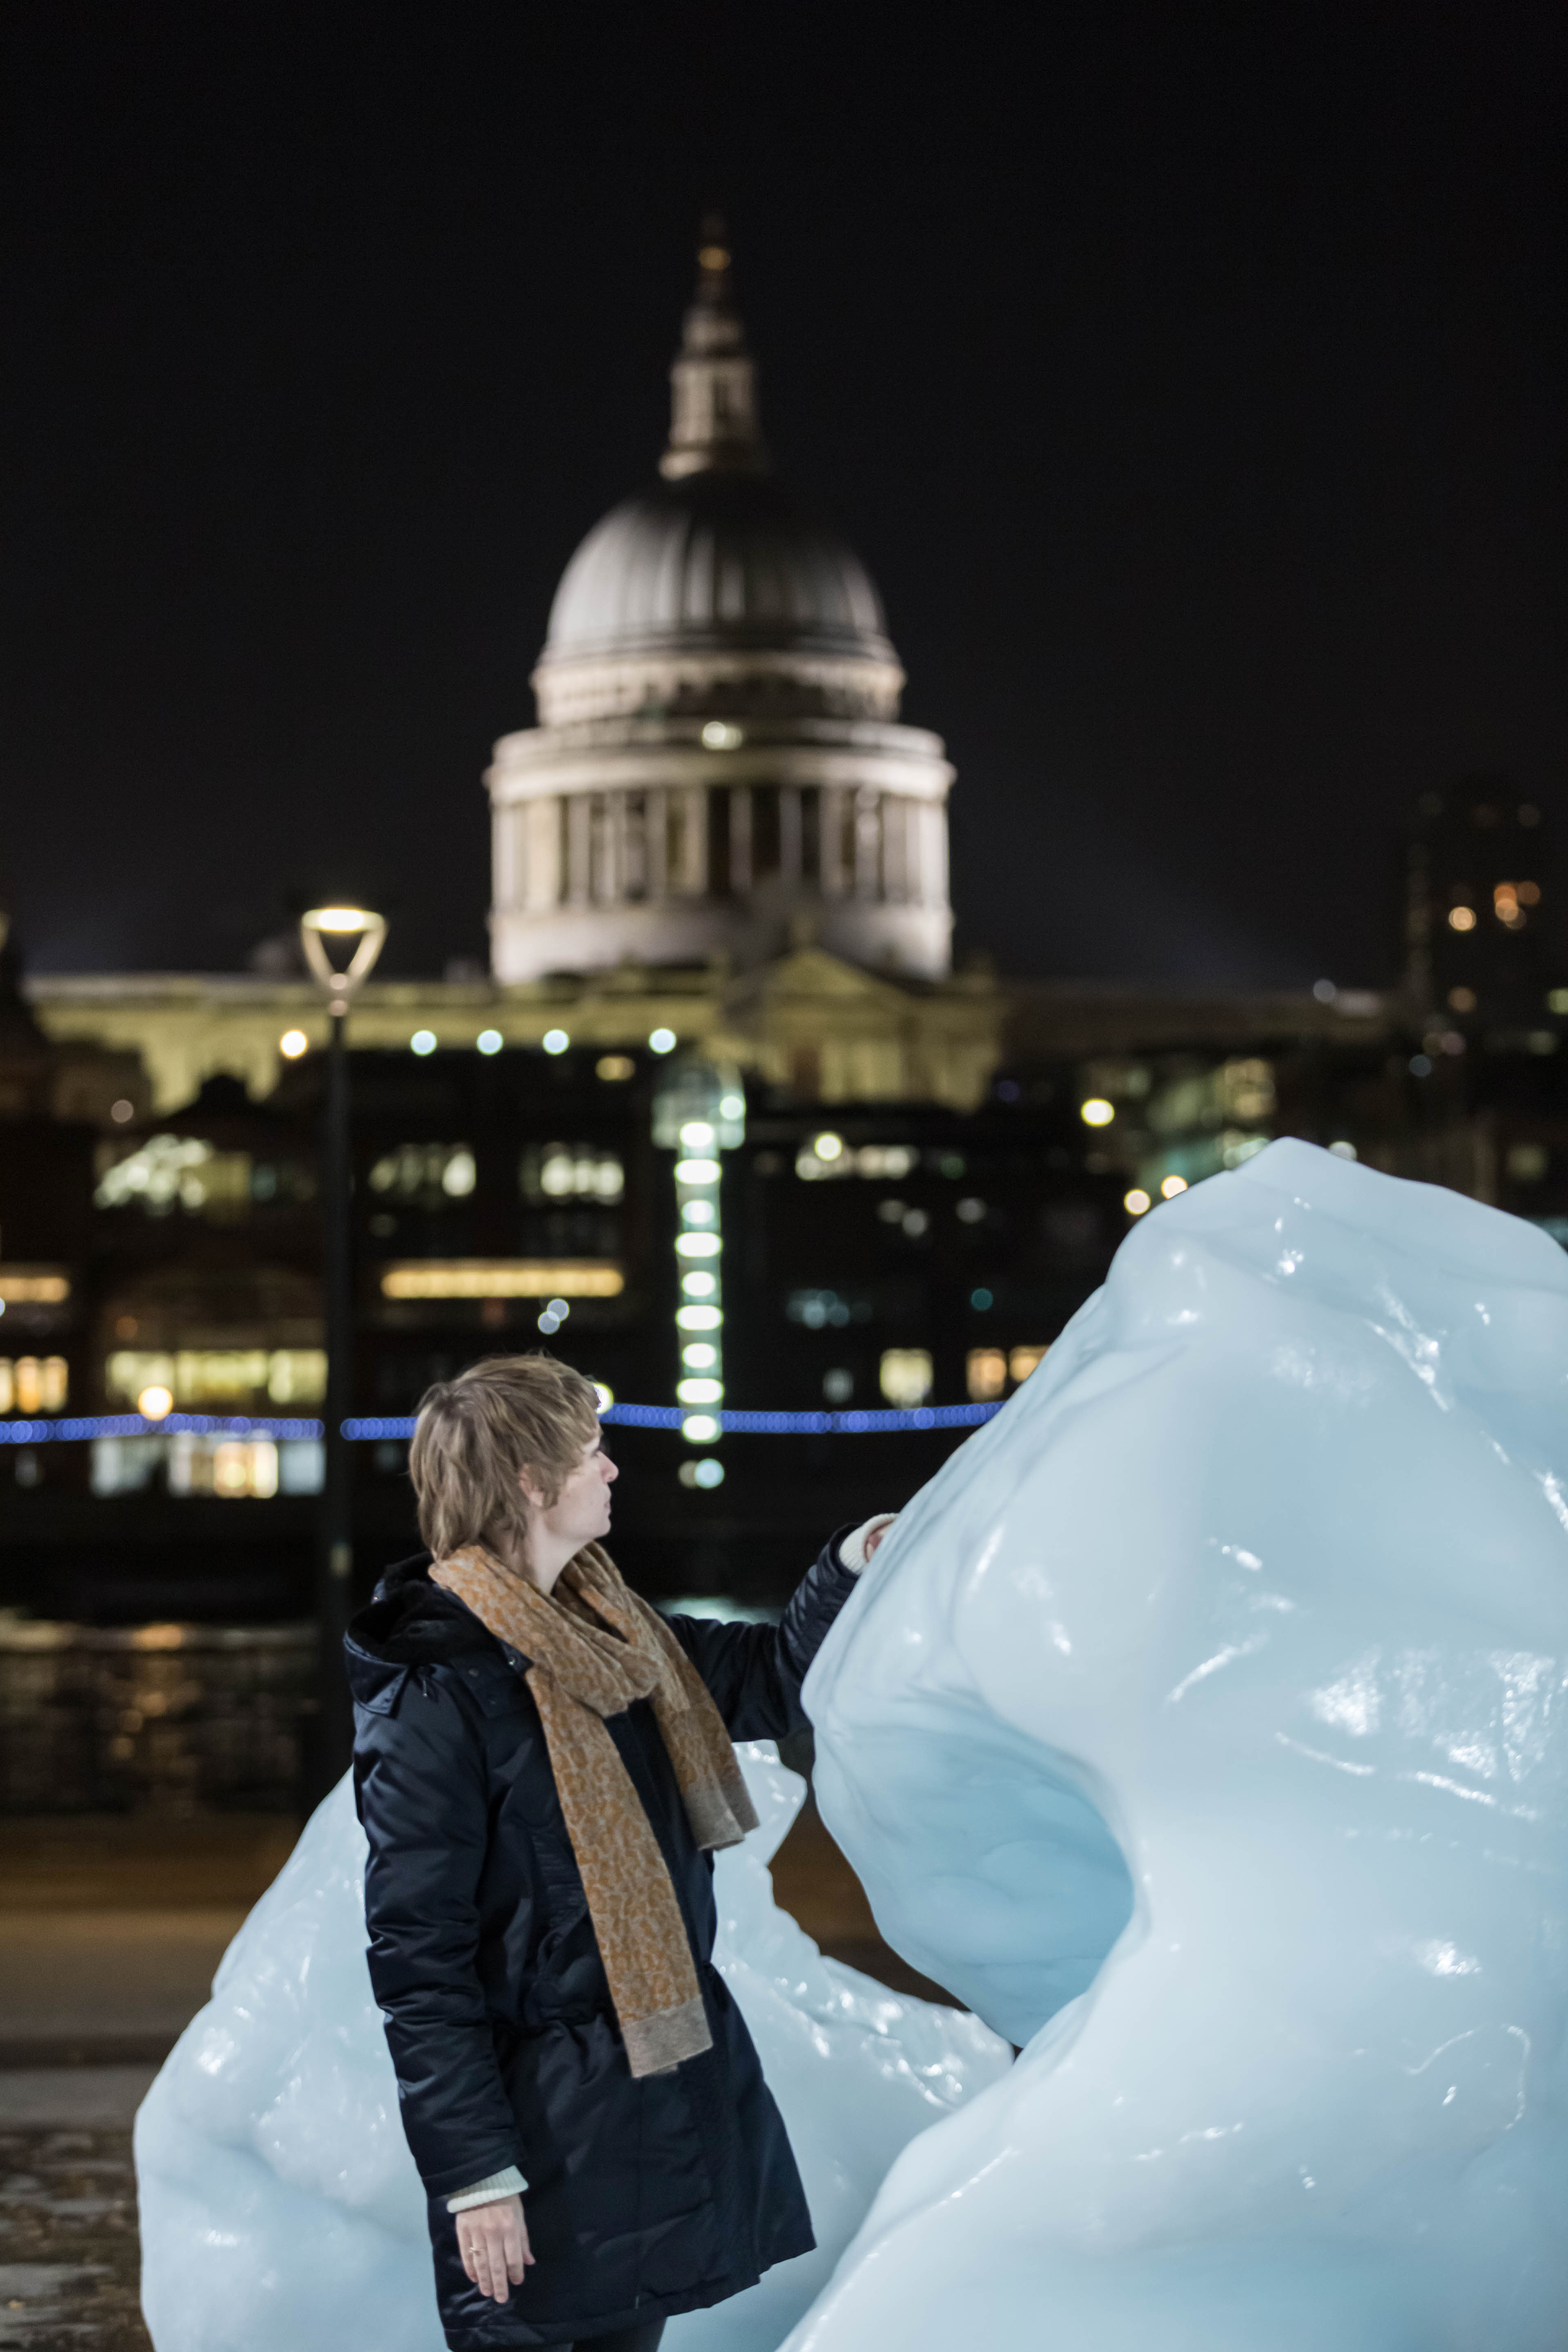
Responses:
[341,944]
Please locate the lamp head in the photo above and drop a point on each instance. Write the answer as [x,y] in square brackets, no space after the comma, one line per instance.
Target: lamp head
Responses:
[341,944]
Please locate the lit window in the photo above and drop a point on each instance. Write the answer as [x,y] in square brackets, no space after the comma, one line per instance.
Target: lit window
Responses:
[459,1175]
[1170,1187]
[698,1212]
[1097,1111]
[662,1041]
[1461,919]
[422,1042]
[916,1222]
[697,1172]
[701,1391]
[699,1357]
[428,1174]
[1022,1361]
[828,1146]
[698,1319]
[571,1171]
[970,1213]
[699,1429]
[615,1068]
[489,1041]
[838,1385]
[905,1376]
[698,1245]
[700,1286]
[697,1135]
[33,1384]
[556,1041]
[985,1371]
[155,1403]
[237,1468]
[1136,1201]
[718,735]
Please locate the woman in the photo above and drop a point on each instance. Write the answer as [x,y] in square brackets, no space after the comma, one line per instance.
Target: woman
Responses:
[543,1769]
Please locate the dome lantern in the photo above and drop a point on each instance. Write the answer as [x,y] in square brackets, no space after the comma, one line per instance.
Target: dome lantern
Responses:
[717,765]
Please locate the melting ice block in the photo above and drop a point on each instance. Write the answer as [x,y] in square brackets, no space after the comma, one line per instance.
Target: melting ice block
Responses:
[281,2211]
[1204,1723]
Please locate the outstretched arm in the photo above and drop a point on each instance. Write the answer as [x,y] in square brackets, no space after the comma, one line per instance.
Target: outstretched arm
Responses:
[756,1672]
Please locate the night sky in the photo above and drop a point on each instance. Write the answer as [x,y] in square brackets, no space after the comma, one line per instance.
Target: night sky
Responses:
[1190,377]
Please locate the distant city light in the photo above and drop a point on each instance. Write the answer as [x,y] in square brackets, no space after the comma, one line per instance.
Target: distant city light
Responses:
[981,1300]
[699,1356]
[292,1045]
[698,1245]
[697,1135]
[1097,1111]
[698,1286]
[1136,1201]
[1528,893]
[1461,919]
[1556,1001]
[339,918]
[662,1041]
[697,1172]
[615,1067]
[121,1111]
[718,735]
[549,1324]
[154,1403]
[1463,1000]
[1324,990]
[1172,1186]
[698,1319]
[699,1429]
[556,1041]
[489,1041]
[828,1146]
[698,1391]
[731,1106]
[709,1471]
[1420,1065]
[1342,1150]
[422,1042]
[605,1397]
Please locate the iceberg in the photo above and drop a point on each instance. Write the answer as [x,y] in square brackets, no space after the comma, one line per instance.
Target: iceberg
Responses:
[282,2212]
[1205,1724]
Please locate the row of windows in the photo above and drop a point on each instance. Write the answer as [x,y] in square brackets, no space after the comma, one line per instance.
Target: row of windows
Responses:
[197,1379]
[32,1384]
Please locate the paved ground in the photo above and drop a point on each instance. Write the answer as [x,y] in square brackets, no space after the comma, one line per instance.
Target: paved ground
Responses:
[109,1940]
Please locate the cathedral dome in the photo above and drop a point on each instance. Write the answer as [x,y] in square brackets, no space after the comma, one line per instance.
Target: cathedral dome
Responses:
[713,561]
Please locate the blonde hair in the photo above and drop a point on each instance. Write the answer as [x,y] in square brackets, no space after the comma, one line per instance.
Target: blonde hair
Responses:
[475,1436]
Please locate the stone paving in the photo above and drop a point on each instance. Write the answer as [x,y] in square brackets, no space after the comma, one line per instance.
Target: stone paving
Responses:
[69,2257]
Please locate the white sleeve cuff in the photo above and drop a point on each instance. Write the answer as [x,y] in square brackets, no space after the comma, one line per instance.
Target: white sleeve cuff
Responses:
[510,2183]
[852,1550]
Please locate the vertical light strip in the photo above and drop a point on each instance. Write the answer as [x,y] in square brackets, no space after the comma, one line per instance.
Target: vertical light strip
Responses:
[699,1246]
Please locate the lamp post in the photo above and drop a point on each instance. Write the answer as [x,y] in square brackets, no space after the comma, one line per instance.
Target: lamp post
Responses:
[351,937]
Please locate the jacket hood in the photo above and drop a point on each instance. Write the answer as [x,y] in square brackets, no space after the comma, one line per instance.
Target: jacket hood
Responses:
[408,1622]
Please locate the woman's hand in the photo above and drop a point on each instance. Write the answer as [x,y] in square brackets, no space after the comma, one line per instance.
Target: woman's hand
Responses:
[494,2242]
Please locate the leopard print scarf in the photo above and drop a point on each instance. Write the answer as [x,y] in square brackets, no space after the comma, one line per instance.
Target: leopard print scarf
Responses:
[593,1647]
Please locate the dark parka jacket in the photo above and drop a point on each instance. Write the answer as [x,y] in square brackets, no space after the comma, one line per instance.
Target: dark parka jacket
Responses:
[644,2197]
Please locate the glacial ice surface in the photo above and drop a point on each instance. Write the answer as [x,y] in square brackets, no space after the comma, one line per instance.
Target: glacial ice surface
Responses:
[1205,1724]
[282,2212]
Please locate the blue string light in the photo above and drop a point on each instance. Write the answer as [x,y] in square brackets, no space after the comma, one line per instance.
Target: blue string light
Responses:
[133,1424]
[379,1429]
